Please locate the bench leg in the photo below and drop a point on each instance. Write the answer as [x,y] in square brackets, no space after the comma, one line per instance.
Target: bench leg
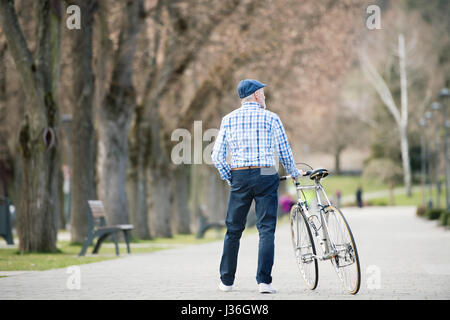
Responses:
[9,237]
[99,243]
[87,242]
[114,235]
[127,240]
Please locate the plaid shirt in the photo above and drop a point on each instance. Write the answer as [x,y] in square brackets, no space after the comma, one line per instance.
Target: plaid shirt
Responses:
[251,133]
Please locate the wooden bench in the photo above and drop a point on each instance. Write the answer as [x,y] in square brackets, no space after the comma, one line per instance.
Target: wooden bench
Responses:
[204,225]
[97,228]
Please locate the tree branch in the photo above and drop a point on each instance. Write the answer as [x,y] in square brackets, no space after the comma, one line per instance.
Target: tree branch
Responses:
[380,86]
[18,45]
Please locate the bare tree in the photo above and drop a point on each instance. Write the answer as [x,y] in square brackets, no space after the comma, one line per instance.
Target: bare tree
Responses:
[404,68]
[177,43]
[115,116]
[83,161]
[37,217]
[401,117]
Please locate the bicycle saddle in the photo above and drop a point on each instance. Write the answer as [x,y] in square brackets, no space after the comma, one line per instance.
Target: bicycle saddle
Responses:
[318,174]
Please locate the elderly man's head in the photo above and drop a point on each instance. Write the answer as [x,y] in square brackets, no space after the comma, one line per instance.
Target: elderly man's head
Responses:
[257,96]
[252,90]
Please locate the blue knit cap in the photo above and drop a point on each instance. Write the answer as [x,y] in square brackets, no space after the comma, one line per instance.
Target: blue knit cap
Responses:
[248,86]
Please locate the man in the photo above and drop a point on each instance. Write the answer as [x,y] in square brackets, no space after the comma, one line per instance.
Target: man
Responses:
[359,197]
[251,133]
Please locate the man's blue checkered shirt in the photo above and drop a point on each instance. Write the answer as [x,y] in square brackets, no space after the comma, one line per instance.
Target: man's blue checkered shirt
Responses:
[252,133]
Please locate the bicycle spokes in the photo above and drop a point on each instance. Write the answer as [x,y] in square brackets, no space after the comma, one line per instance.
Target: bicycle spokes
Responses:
[345,260]
[304,249]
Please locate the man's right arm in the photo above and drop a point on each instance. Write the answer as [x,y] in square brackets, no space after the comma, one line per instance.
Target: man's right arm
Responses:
[284,149]
[219,154]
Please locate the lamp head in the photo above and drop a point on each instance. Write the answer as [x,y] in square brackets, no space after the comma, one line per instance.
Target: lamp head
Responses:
[422,122]
[435,106]
[444,93]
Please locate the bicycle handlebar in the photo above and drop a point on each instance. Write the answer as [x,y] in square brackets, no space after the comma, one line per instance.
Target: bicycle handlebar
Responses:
[307,173]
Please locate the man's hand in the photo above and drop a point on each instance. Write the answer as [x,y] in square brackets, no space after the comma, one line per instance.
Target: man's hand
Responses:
[300,175]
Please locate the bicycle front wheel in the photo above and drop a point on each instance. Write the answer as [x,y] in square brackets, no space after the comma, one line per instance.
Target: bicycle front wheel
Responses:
[346,260]
[304,248]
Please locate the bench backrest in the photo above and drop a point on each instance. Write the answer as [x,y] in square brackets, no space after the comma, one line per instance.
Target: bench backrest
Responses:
[98,212]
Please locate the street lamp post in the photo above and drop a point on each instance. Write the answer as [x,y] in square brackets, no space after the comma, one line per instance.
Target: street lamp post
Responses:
[435,106]
[423,158]
[427,117]
[443,95]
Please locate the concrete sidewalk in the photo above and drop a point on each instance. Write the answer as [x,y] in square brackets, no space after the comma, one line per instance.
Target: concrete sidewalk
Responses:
[402,257]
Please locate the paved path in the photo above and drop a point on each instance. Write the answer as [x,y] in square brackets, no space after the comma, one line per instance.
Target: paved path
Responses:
[409,256]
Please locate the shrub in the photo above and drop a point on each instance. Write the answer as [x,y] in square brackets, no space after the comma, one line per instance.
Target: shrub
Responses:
[434,214]
[444,219]
[420,212]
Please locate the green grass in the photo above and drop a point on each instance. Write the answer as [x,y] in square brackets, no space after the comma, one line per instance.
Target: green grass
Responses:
[12,260]
[415,200]
[347,185]
[67,255]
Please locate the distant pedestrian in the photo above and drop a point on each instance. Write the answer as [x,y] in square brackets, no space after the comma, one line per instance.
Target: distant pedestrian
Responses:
[286,202]
[338,198]
[359,201]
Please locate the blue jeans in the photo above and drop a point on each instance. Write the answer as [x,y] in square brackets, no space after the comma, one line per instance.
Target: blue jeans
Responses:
[248,185]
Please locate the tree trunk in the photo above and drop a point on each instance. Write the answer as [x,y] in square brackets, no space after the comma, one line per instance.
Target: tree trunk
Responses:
[38,143]
[137,193]
[405,160]
[404,118]
[160,206]
[211,194]
[83,161]
[159,177]
[112,164]
[60,209]
[180,192]
[391,194]
[195,194]
[137,179]
[337,160]
[401,118]
[4,150]
[114,120]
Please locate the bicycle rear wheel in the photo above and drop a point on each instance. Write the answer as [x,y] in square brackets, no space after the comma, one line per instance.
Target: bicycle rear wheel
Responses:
[304,248]
[346,261]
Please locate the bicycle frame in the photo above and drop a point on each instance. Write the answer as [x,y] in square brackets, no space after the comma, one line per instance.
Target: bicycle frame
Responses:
[324,240]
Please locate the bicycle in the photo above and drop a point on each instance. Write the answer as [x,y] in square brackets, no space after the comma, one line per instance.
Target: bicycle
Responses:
[331,231]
